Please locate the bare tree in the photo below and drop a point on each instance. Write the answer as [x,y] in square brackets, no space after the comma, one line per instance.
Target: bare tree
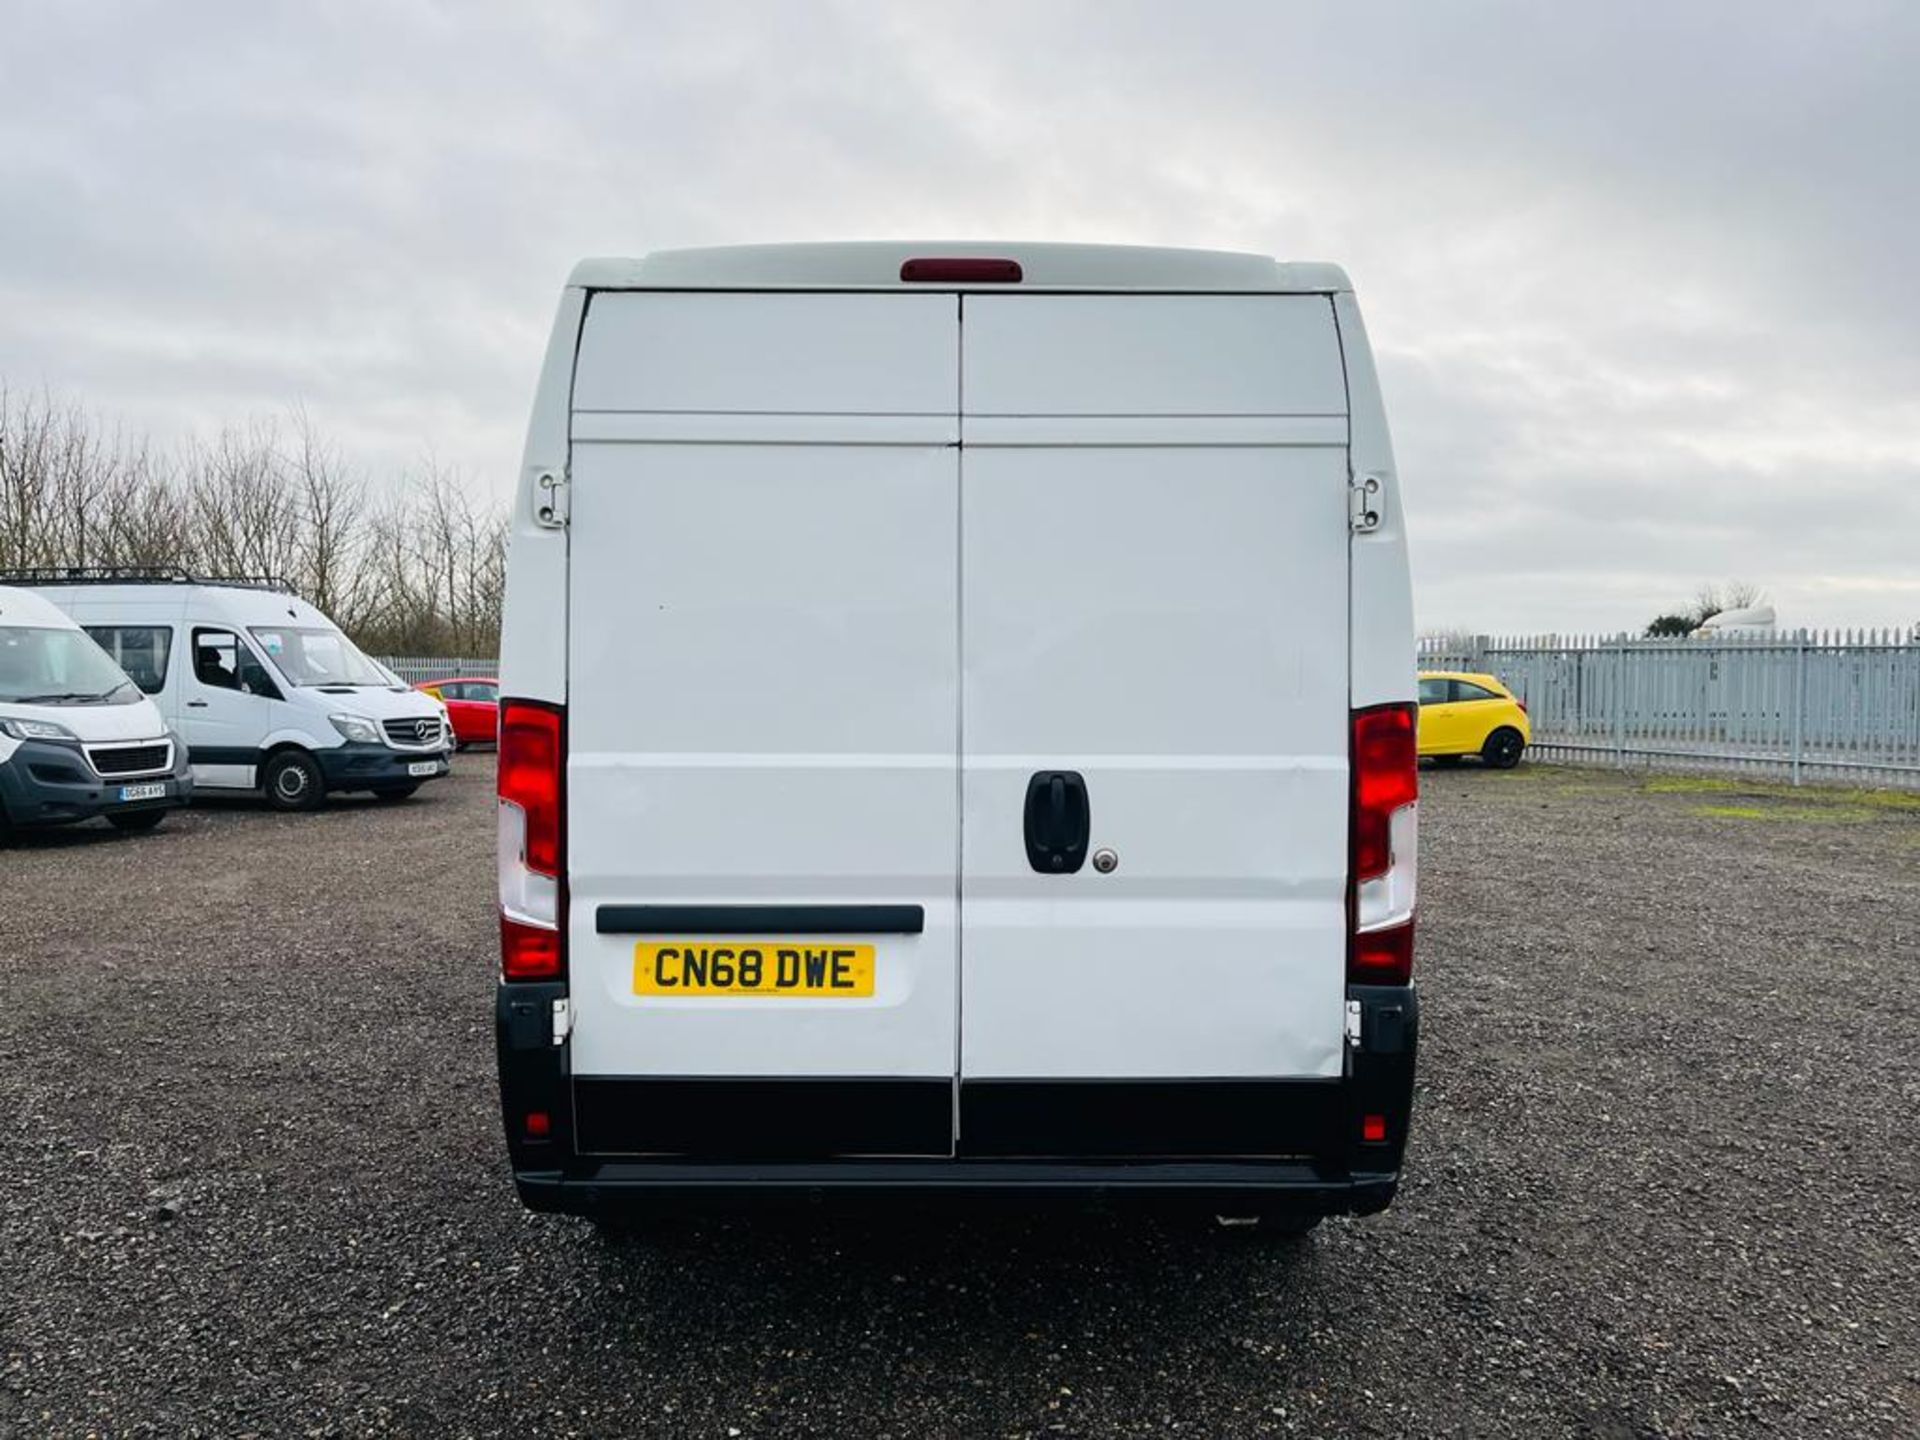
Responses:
[331,502]
[422,569]
[1711,600]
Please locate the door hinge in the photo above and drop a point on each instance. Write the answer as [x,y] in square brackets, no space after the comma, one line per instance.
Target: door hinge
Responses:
[1353,1023]
[550,499]
[562,1020]
[1363,503]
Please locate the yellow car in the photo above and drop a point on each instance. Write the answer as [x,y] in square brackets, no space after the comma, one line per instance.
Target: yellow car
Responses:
[1466,714]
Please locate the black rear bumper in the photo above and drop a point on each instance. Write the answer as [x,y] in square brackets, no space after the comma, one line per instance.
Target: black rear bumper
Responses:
[602,1144]
[1252,1185]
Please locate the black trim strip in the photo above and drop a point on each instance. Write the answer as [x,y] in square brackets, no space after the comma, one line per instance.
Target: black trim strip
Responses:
[1136,1119]
[760,919]
[728,1118]
[223,755]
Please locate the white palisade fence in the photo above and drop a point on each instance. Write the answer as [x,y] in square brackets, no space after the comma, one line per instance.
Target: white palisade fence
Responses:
[416,668]
[1838,704]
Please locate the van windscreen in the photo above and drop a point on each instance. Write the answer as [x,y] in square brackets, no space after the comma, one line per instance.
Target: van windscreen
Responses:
[317,656]
[40,665]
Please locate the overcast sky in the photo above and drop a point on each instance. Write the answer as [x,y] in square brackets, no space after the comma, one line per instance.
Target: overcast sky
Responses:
[1642,278]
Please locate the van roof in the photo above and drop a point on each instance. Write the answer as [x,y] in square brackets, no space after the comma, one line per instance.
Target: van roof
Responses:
[98,601]
[875,265]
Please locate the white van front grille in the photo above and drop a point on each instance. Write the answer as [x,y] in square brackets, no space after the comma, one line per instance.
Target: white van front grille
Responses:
[149,757]
[426,733]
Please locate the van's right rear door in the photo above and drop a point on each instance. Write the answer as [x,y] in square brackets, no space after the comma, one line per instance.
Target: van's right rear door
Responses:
[1154,609]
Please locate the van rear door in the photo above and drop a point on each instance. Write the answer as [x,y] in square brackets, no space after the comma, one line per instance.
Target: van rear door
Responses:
[1154,546]
[762,712]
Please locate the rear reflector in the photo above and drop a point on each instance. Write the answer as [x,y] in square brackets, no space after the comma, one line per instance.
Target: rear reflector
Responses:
[539,1124]
[960,270]
[1373,1128]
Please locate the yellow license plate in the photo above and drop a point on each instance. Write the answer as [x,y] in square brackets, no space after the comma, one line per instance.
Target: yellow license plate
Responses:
[822,971]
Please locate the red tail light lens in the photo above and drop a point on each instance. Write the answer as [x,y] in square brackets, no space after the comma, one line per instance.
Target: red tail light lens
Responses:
[529,776]
[531,841]
[1383,865]
[1385,777]
[529,952]
[1382,957]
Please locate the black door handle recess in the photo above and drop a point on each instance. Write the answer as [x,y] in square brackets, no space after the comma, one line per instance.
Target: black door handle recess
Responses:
[1057,822]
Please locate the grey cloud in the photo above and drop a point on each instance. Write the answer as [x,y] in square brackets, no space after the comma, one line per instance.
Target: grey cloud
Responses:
[1636,274]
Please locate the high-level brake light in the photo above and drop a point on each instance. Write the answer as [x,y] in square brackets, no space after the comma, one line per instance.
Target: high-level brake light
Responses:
[531,762]
[961,270]
[1385,833]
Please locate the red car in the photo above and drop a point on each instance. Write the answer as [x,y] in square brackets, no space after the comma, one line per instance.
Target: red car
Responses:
[473,705]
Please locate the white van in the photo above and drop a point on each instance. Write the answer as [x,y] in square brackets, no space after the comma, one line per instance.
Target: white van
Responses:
[958,734]
[77,738]
[266,691]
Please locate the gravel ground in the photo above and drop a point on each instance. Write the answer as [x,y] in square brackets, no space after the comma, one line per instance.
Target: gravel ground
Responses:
[1663,1180]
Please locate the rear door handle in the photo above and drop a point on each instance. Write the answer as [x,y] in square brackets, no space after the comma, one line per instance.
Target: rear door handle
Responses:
[1057,821]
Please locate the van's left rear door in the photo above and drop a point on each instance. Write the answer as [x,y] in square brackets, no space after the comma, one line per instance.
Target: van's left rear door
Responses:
[762,717]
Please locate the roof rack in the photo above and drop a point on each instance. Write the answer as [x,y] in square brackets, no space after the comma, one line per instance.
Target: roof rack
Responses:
[139,575]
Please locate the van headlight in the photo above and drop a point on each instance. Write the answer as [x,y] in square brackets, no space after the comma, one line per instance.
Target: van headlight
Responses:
[357,728]
[38,730]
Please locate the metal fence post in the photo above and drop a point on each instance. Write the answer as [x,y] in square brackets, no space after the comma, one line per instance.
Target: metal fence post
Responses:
[1799,699]
[1620,705]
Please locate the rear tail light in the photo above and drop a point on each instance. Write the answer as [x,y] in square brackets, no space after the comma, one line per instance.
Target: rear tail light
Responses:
[1521,703]
[531,764]
[1384,839]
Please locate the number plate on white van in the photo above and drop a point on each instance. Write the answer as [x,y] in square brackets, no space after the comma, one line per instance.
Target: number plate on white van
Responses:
[753,967]
[424,767]
[143,792]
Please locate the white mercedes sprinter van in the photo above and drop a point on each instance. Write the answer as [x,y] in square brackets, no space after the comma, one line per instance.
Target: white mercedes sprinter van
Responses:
[77,737]
[266,691]
[957,734]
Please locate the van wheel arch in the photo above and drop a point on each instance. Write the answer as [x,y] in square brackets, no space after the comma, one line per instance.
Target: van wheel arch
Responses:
[292,780]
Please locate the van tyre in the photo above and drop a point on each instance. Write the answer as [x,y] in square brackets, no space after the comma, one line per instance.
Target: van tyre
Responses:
[293,782]
[1503,748]
[139,822]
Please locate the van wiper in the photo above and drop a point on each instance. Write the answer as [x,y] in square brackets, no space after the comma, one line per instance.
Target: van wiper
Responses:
[64,697]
